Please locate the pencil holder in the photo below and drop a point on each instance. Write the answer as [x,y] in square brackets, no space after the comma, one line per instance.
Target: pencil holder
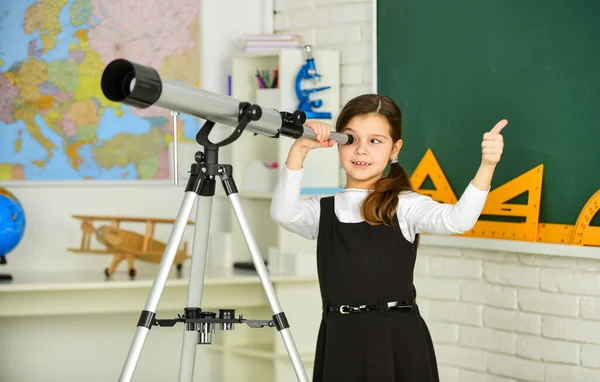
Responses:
[268,98]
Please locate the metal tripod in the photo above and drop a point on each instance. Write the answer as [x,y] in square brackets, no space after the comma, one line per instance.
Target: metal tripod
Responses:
[200,325]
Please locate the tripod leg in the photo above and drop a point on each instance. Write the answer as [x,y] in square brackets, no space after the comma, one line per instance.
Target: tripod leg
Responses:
[279,317]
[196,281]
[148,314]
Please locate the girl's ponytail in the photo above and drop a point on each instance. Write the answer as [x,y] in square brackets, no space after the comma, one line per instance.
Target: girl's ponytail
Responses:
[380,206]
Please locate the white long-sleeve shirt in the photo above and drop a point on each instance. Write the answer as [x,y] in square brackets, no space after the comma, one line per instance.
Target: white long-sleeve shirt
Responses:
[416,213]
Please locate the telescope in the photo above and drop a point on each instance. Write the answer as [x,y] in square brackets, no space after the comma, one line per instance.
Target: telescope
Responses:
[141,86]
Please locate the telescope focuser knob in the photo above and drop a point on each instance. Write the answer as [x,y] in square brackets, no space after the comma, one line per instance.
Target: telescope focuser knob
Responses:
[254,112]
[249,111]
[300,117]
[292,124]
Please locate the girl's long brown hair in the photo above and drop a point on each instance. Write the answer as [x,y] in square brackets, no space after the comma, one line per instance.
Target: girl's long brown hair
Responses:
[381,203]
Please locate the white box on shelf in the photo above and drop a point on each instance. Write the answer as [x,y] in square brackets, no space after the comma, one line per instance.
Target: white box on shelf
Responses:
[219,250]
[321,167]
[260,176]
[273,260]
[296,263]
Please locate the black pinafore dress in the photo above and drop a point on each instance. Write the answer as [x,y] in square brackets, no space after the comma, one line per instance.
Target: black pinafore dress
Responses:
[359,264]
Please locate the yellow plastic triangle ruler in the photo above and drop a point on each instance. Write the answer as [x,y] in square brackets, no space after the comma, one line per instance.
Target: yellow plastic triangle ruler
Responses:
[496,205]
[429,166]
[584,234]
[555,233]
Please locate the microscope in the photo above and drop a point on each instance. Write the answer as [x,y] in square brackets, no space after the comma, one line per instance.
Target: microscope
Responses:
[309,72]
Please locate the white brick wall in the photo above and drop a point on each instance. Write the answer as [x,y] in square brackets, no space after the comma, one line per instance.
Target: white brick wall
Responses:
[516,318]
[494,316]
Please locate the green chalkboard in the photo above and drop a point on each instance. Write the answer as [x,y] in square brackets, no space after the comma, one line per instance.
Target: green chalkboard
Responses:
[457,67]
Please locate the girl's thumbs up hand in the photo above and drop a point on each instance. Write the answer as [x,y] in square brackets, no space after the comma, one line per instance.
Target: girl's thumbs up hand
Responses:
[493,144]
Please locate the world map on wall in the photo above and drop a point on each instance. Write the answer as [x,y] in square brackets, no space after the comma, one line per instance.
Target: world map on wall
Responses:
[55,123]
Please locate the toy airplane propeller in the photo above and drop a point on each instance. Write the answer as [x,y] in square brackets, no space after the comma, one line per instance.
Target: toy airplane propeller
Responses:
[124,244]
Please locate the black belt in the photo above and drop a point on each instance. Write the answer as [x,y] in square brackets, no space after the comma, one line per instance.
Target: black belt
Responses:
[406,306]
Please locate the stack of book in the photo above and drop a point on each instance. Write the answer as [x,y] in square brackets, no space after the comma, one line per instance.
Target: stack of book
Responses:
[268,42]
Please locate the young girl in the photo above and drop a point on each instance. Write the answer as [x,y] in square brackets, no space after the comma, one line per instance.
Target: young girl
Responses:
[371,329]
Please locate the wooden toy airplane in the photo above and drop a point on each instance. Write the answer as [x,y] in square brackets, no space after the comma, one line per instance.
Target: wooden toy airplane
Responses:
[124,244]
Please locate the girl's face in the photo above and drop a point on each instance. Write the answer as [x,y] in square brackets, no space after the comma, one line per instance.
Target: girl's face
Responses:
[367,157]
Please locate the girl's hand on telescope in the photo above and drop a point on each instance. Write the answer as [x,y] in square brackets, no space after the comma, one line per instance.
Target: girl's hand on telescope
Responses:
[322,132]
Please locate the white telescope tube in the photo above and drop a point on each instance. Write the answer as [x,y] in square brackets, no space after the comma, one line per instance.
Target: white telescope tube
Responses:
[141,86]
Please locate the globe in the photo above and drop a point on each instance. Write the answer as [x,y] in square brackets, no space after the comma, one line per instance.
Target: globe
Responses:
[12,222]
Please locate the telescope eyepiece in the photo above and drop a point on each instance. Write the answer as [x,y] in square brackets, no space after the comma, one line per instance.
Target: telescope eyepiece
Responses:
[132,84]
